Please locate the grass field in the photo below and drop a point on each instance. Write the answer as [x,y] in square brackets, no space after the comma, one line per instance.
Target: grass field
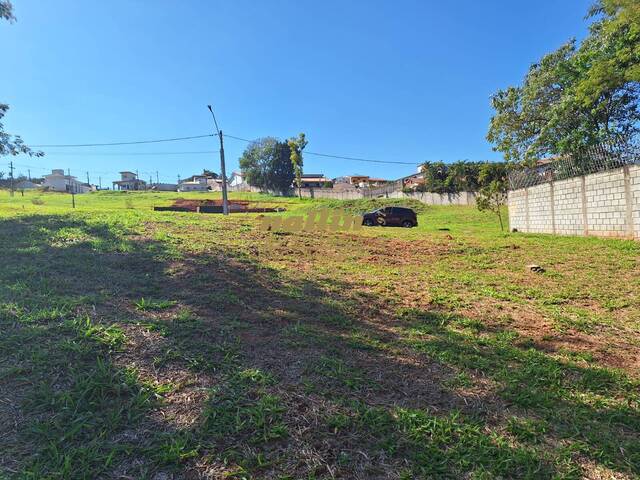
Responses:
[141,344]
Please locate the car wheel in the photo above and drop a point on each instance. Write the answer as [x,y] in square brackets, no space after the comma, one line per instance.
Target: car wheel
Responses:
[407,223]
[368,222]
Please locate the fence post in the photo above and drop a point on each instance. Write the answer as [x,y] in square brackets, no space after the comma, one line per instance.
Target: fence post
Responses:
[628,202]
[585,217]
[553,207]
[526,209]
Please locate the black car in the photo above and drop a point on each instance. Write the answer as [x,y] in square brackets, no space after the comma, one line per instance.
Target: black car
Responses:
[391,217]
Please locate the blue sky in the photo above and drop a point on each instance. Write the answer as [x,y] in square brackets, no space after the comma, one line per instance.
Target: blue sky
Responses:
[389,80]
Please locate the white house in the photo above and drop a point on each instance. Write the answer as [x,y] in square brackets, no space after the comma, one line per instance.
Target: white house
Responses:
[57,181]
[236,179]
[129,181]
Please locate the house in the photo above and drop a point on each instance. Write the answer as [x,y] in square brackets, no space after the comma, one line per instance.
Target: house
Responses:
[376,182]
[192,186]
[57,181]
[360,181]
[413,182]
[129,181]
[236,179]
[357,180]
[313,180]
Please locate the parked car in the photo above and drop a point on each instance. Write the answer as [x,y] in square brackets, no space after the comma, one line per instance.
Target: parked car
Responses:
[391,217]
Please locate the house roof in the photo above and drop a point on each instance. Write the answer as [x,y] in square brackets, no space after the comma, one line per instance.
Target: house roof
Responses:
[377,179]
[131,180]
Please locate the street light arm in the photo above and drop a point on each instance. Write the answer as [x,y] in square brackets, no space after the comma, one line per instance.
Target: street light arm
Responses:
[214,119]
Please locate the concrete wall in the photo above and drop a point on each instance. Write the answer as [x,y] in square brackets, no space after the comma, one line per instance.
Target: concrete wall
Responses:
[603,204]
[464,198]
[429,198]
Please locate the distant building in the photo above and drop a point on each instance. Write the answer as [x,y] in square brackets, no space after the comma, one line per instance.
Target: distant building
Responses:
[57,181]
[413,182]
[313,180]
[236,179]
[359,181]
[192,186]
[129,181]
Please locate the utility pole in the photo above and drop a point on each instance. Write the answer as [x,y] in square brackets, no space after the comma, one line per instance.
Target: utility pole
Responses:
[99,183]
[88,181]
[225,201]
[11,176]
[71,190]
[157,177]
[29,173]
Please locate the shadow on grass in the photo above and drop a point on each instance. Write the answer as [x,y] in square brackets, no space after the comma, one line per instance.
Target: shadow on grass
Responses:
[291,377]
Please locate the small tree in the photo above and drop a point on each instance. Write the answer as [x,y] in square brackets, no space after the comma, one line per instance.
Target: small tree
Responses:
[492,194]
[296,146]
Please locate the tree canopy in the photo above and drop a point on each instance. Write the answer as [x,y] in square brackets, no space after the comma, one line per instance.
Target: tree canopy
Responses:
[267,165]
[577,96]
[461,176]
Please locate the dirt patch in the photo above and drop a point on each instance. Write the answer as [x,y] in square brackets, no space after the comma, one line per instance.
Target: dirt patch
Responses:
[215,206]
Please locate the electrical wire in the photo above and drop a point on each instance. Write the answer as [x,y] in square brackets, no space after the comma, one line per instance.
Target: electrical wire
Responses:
[138,142]
[317,154]
[100,154]
[339,157]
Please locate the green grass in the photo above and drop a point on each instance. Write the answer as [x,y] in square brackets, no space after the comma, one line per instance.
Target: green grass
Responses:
[142,344]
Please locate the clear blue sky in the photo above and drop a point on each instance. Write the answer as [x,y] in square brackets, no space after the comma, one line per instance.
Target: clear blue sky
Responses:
[390,80]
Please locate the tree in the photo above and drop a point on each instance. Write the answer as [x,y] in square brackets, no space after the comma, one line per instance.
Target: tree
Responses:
[576,96]
[267,165]
[435,177]
[6,11]
[492,194]
[296,146]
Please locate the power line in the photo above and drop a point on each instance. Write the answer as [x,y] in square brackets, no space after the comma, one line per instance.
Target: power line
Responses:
[317,154]
[339,157]
[138,142]
[101,154]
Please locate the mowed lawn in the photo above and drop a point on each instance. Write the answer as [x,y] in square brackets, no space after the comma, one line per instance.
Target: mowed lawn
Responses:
[140,344]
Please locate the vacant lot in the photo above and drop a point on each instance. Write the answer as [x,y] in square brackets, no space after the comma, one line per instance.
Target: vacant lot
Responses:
[141,344]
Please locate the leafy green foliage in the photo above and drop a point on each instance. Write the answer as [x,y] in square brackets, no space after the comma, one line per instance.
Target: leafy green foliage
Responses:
[461,176]
[6,10]
[267,165]
[493,194]
[576,96]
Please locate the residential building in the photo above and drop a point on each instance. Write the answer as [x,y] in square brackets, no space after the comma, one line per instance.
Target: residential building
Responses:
[313,180]
[236,179]
[57,181]
[192,186]
[413,182]
[359,181]
[129,181]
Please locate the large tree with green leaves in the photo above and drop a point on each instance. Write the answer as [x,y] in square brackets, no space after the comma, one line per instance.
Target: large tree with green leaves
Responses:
[576,96]
[267,165]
